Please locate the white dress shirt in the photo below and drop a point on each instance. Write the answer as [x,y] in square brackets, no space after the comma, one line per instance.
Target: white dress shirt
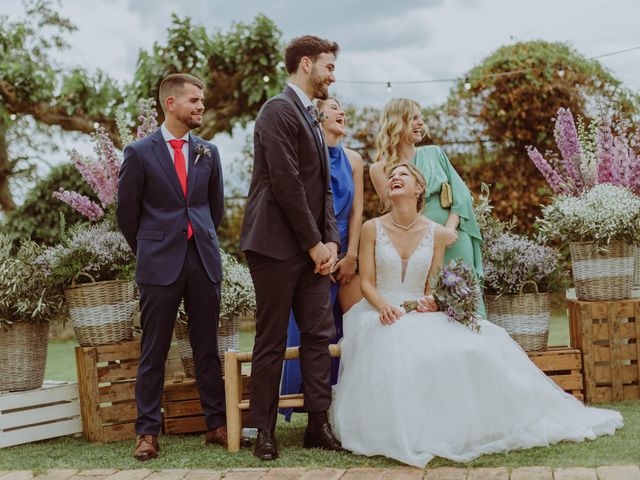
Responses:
[167,135]
[306,102]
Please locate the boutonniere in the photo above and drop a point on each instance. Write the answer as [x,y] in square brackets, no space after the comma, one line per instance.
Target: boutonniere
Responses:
[201,150]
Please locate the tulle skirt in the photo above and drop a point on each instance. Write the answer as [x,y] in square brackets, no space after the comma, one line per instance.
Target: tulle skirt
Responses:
[426,386]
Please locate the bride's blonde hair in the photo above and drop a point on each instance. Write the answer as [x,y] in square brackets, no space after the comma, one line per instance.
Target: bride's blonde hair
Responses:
[395,125]
[420,181]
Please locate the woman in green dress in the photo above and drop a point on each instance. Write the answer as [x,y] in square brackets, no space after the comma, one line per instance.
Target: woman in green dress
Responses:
[449,201]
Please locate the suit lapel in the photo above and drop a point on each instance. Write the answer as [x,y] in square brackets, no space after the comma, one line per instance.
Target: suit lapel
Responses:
[161,152]
[192,174]
[321,148]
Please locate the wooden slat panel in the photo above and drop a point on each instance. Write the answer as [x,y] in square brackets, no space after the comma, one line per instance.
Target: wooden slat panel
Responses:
[117,392]
[627,374]
[41,432]
[186,390]
[600,331]
[184,425]
[615,343]
[586,324]
[627,352]
[123,431]
[286,401]
[625,308]
[557,361]
[42,396]
[89,394]
[119,413]
[605,394]
[118,351]
[290,354]
[114,372]
[568,382]
[40,415]
[185,408]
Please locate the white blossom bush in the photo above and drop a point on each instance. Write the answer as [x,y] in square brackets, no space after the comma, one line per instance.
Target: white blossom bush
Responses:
[238,296]
[604,214]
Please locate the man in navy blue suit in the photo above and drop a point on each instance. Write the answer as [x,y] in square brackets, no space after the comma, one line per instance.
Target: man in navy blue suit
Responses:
[170,204]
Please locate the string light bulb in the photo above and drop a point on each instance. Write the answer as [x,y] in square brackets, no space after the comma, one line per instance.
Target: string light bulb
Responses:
[265,79]
[561,72]
[467,84]
[388,87]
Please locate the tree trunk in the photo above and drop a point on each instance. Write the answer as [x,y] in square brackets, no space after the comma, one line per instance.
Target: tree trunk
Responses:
[7,204]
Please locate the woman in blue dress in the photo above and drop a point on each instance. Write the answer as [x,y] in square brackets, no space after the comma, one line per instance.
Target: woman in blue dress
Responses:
[347,186]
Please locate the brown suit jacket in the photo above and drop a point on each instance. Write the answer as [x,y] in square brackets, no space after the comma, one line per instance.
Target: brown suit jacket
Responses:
[290,204]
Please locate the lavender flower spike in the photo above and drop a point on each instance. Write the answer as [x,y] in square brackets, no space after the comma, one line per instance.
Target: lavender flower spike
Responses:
[552,176]
[569,145]
[82,204]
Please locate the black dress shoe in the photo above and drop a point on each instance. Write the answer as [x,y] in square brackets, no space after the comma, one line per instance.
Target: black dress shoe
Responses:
[322,438]
[266,447]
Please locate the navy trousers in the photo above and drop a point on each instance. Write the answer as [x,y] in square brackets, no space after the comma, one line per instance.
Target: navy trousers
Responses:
[159,307]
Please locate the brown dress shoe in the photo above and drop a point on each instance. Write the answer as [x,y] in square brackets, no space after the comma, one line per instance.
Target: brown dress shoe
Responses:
[217,436]
[146,447]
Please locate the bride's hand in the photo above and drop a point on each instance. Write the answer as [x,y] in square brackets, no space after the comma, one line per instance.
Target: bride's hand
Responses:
[427,304]
[390,314]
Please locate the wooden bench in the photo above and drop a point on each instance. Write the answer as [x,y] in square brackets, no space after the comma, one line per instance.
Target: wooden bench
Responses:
[233,389]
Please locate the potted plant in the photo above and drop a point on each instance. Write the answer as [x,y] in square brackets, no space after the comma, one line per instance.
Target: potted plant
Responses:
[237,299]
[27,303]
[94,265]
[591,156]
[602,225]
[513,263]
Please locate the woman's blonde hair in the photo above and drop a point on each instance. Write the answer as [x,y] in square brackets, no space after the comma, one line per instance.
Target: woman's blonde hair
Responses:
[420,181]
[395,124]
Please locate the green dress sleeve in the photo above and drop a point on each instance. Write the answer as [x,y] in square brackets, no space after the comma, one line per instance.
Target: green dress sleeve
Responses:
[462,201]
[463,207]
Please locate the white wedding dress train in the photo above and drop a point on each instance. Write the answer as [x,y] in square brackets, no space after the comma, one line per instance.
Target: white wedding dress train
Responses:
[426,386]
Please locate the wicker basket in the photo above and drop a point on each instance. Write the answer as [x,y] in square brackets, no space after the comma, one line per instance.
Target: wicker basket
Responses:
[23,356]
[636,268]
[101,312]
[227,340]
[525,317]
[602,275]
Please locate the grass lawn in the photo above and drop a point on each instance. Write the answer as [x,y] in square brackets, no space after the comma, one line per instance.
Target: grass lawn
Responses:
[188,451]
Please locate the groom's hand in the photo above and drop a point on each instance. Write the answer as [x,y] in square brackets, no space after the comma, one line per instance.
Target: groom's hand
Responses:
[320,255]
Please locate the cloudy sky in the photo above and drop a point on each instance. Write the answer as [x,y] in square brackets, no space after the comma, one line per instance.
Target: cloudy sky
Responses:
[381,40]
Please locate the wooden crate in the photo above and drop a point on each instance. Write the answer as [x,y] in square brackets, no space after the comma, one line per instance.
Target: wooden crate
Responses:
[563,365]
[608,333]
[47,412]
[106,379]
[182,409]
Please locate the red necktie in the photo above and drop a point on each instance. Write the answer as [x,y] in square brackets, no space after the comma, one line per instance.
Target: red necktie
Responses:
[181,170]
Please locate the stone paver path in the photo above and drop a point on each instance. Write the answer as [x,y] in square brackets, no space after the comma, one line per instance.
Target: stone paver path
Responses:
[619,472]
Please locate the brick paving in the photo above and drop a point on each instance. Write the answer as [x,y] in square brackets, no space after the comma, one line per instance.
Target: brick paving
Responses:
[618,472]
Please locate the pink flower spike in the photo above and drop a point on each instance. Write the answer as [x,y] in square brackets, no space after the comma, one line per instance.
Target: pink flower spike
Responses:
[553,178]
[82,204]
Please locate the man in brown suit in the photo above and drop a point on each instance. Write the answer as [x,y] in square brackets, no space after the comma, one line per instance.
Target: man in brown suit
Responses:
[291,241]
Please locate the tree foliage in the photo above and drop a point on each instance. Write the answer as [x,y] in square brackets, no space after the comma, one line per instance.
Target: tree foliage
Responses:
[241,69]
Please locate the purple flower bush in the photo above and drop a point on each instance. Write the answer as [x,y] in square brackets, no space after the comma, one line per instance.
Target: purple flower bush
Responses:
[588,156]
[102,174]
[510,260]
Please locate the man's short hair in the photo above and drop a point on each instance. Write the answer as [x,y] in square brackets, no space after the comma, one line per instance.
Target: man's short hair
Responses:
[172,84]
[306,46]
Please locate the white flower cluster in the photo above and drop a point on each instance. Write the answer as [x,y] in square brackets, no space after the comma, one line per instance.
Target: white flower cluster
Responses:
[238,296]
[603,214]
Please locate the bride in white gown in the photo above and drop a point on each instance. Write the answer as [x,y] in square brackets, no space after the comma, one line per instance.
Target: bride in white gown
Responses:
[414,386]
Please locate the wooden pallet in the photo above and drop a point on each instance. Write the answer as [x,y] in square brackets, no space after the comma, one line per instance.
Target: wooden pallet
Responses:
[563,365]
[181,406]
[608,333]
[106,379]
[47,412]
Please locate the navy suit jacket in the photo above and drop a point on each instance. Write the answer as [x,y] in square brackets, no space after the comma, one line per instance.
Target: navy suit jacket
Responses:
[153,213]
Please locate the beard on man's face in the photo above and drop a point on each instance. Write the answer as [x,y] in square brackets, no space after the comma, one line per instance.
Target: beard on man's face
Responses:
[320,89]
[188,121]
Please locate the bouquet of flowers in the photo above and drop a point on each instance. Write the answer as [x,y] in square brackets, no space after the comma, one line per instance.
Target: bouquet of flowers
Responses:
[455,292]
[510,260]
[102,174]
[589,156]
[238,296]
[603,214]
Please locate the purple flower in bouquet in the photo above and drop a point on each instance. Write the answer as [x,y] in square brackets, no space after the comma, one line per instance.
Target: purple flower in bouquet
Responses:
[568,143]
[82,204]
[457,299]
[554,179]
[148,118]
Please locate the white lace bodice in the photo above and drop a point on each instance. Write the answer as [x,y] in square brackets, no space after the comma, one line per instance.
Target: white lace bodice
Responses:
[389,281]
